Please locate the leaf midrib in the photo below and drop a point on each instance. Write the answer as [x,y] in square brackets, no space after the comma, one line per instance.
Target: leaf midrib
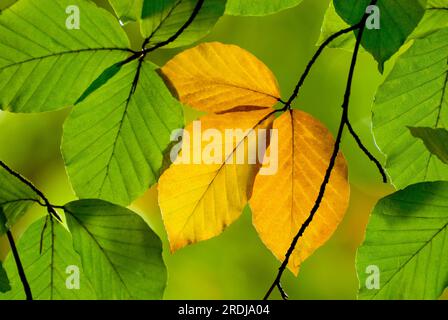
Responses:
[57,54]
[241,87]
[217,173]
[125,111]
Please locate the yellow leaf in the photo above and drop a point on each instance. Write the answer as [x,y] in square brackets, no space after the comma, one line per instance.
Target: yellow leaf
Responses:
[214,77]
[198,201]
[282,202]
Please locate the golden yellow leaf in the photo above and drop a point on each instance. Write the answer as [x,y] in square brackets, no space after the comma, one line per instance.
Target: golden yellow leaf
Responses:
[216,77]
[199,200]
[282,202]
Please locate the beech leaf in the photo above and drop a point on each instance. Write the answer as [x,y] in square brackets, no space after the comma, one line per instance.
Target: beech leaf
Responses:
[161,19]
[198,201]
[413,95]
[216,77]
[44,65]
[46,253]
[282,202]
[406,244]
[114,140]
[121,255]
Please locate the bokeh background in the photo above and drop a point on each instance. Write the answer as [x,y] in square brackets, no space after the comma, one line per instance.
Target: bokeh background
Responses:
[236,265]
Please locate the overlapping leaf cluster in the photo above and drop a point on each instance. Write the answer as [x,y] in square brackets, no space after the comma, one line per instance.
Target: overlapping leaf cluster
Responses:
[117,136]
[407,233]
[199,200]
[101,240]
[114,140]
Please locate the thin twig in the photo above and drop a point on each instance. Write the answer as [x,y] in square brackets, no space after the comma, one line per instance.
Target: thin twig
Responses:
[282,291]
[142,54]
[47,203]
[337,146]
[314,59]
[366,151]
[20,270]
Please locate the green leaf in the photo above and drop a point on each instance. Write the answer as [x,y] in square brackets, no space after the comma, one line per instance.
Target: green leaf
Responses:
[398,19]
[333,23]
[114,141]
[258,7]
[4,281]
[161,19]
[435,18]
[127,10]
[435,140]
[46,66]
[101,80]
[413,95]
[15,199]
[407,239]
[48,271]
[3,222]
[121,255]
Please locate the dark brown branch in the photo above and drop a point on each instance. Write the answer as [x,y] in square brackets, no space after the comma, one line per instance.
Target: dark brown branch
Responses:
[20,270]
[337,146]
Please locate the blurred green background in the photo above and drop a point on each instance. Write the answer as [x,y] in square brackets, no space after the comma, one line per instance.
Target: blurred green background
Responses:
[236,265]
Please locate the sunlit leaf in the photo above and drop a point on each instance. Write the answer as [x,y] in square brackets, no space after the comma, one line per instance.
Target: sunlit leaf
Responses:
[46,264]
[304,152]
[215,77]
[114,140]
[198,201]
[407,243]
[121,255]
[46,66]
[161,19]
[333,23]
[413,95]
[435,18]
[127,10]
